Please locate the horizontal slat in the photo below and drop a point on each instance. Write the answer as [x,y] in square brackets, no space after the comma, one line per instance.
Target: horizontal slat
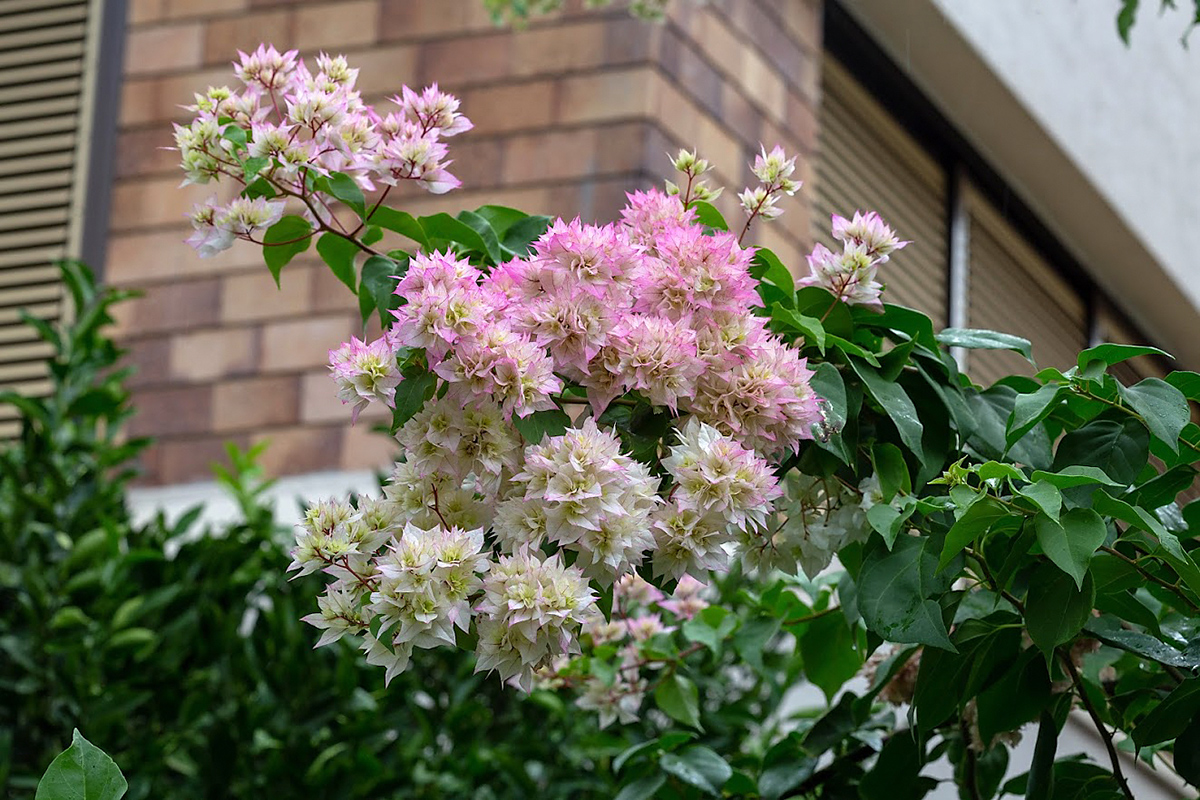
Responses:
[10,334]
[36,350]
[43,17]
[37,199]
[44,107]
[18,221]
[30,257]
[30,296]
[38,163]
[26,182]
[39,127]
[57,51]
[21,371]
[38,37]
[33,237]
[54,143]
[33,91]
[44,310]
[46,71]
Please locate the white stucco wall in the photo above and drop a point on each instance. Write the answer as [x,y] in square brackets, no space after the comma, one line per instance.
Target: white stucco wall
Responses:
[1128,117]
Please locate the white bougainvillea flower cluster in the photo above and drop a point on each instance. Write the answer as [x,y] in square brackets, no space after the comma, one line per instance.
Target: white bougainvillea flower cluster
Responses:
[850,275]
[296,125]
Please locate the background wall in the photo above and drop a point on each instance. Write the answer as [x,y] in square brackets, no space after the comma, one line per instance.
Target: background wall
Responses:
[570,114]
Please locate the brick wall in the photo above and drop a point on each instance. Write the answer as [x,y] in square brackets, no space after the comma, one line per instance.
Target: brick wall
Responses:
[569,114]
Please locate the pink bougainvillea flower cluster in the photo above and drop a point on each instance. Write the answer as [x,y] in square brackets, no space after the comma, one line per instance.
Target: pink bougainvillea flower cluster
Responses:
[297,125]
[517,500]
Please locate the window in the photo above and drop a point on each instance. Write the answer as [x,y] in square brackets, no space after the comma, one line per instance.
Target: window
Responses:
[51,75]
[979,258]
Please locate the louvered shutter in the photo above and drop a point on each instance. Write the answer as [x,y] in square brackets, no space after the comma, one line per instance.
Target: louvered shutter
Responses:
[867,161]
[45,47]
[1014,289]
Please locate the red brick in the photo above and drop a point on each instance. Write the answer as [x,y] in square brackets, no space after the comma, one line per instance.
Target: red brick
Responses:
[172,410]
[254,296]
[254,403]
[506,108]
[163,48]
[151,359]
[303,343]
[364,448]
[204,355]
[227,35]
[294,451]
[470,59]
[334,26]
[192,459]
[405,19]
[607,95]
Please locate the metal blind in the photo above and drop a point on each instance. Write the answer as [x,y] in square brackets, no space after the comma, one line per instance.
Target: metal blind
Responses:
[867,161]
[44,52]
[1013,289]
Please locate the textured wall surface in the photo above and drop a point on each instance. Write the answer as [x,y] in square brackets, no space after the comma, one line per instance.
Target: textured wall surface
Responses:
[570,113]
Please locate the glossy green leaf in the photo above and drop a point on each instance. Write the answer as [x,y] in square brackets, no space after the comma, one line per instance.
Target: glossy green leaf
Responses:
[809,327]
[1109,354]
[974,522]
[1056,609]
[1072,541]
[1118,447]
[82,772]
[284,241]
[710,627]
[486,232]
[377,289]
[985,340]
[772,271]
[411,394]
[1170,717]
[1045,496]
[896,403]
[1030,409]
[678,698]
[643,788]
[401,222]
[895,590]
[779,779]
[830,656]
[541,424]
[1112,632]
[338,253]
[707,214]
[698,766]
[1162,406]
[1187,753]
[519,238]
[442,227]
[346,189]
[1169,545]
[1075,475]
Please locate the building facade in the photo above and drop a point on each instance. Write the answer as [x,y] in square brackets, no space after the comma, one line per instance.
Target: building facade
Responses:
[1048,192]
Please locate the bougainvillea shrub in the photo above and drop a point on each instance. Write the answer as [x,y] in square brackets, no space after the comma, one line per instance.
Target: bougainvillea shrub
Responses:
[598,425]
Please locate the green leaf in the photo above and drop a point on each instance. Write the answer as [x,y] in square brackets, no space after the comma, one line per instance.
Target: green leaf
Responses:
[1125,19]
[1017,696]
[285,240]
[486,233]
[699,766]
[710,627]
[1169,547]
[896,773]
[810,327]
[642,788]
[377,291]
[707,214]
[338,253]
[1163,408]
[1055,609]
[888,520]
[895,590]
[346,189]
[975,339]
[1119,447]
[1045,496]
[1072,541]
[1040,785]
[1075,475]
[1171,716]
[372,234]
[830,656]
[633,752]
[82,772]
[540,424]
[974,522]
[678,698]
[989,412]
[519,238]
[1186,382]
[1030,409]
[252,166]
[411,394]
[896,403]
[779,779]
[773,272]
[904,320]
[1113,632]
[828,384]
[1109,354]
[891,470]
[752,637]
[402,223]
[443,227]
[1187,753]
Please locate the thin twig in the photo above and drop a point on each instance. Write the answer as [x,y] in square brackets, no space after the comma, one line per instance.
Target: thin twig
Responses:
[1171,587]
[1113,758]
